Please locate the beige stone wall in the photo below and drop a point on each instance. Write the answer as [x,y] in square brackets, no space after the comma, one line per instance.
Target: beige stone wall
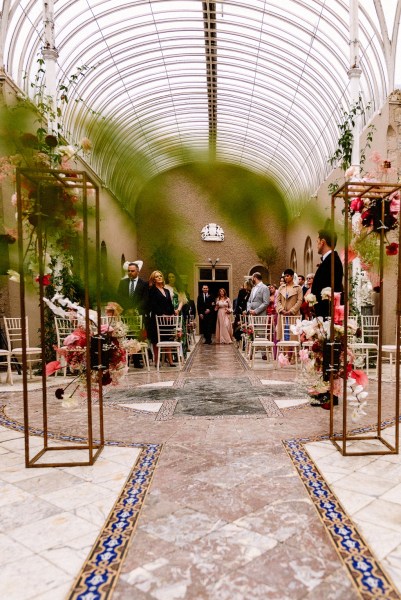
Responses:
[193,210]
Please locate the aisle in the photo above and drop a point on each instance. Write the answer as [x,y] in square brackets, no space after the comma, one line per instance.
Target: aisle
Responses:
[221,509]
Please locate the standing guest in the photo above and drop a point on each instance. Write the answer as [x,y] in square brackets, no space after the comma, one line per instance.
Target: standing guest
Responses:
[132,291]
[160,303]
[178,297]
[306,308]
[271,307]
[242,300]
[132,294]
[205,305]
[326,243]
[301,282]
[289,299]
[224,329]
[259,296]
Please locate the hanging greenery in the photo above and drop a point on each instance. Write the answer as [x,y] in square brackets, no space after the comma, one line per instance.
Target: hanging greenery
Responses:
[342,156]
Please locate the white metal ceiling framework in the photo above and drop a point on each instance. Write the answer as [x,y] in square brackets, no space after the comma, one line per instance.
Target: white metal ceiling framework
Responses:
[260,83]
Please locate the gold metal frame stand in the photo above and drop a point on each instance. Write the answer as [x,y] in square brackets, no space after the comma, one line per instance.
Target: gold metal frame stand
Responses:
[87,192]
[380,193]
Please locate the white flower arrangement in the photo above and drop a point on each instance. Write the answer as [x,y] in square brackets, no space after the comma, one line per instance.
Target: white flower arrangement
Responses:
[131,346]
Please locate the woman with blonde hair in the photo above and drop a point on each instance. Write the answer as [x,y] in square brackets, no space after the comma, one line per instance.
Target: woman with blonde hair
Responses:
[159,303]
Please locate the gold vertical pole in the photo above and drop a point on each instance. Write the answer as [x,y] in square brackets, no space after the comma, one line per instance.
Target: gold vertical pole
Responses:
[397,351]
[98,300]
[345,322]
[87,322]
[381,304]
[23,315]
[41,258]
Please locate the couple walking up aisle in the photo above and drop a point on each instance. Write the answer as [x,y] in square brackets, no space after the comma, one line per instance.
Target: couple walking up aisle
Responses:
[207,308]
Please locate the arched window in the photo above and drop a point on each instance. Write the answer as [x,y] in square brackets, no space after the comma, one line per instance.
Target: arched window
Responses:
[293,260]
[308,257]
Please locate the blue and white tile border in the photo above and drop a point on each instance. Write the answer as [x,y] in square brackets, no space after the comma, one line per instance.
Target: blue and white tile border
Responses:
[100,572]
[364,569]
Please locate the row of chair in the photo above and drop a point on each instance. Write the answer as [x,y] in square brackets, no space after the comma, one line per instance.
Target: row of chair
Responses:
[169,330]
[14,339]
[262,340]
[169,339]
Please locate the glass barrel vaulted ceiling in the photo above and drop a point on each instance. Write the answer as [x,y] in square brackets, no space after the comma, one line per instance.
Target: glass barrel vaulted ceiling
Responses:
[259,83]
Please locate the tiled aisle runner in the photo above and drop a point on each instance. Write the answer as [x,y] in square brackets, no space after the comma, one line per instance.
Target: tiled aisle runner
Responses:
[369,578]
[52,528]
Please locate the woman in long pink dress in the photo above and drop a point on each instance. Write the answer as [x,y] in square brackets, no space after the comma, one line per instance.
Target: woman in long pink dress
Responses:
[224,328]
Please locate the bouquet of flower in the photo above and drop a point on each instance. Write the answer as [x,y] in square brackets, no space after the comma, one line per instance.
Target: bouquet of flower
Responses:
[373,215]
[326,357]
[248,331]
[110,366]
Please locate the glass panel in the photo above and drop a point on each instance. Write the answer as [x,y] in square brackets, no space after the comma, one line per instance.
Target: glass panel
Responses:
[221,274]
[205,274]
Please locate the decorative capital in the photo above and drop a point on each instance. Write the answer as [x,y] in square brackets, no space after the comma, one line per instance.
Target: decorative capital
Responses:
[212,233]
[50,53]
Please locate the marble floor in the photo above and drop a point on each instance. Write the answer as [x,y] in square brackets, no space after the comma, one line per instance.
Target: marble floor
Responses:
[216,482]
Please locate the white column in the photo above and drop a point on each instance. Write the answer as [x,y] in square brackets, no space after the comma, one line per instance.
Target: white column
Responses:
[354,75]
[50,55]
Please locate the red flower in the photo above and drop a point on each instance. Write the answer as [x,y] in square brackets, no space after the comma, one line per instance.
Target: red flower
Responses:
[46,279]
[392,249]
[356,205]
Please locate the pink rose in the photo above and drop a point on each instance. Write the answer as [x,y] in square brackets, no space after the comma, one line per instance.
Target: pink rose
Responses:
[395,205]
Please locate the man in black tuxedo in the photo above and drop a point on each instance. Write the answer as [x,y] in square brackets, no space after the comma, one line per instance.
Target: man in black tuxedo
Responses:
[205,305]
[132,294]
[326,243]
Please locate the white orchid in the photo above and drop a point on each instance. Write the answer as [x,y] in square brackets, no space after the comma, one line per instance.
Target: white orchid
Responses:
[297,328]
[356,397]
[358,412]
[67,151]
[14,275]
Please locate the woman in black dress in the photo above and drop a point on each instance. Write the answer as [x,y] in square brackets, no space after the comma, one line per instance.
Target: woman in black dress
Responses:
[160,303]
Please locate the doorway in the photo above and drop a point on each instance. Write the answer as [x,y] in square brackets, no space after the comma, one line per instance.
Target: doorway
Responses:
[215,277]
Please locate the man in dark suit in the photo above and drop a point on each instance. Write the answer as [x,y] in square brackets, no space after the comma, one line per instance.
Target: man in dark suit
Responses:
[326,243]
[205,305]
[132,294]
